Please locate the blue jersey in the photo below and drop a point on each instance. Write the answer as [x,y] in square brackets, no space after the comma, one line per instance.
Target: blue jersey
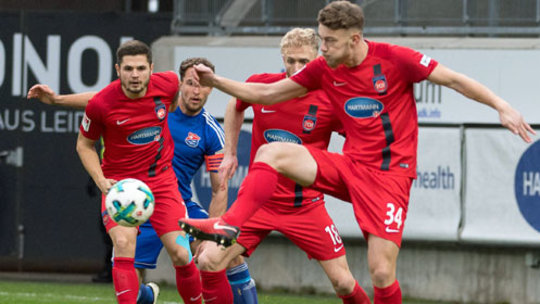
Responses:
[194,138]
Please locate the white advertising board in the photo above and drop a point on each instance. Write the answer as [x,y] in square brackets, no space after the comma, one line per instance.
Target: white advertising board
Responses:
[435,203]
[502,190]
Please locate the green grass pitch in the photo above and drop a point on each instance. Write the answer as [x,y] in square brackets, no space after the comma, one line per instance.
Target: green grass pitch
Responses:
[28,292]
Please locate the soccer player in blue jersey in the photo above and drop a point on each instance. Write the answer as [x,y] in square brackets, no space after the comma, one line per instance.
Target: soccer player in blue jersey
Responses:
[197,137]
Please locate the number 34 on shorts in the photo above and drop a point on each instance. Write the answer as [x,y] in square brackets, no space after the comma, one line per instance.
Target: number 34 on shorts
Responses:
[393,220]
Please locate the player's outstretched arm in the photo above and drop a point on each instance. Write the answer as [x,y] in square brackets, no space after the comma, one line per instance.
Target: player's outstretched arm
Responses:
[260,93]
[47,96]
[509,117]
[233,124]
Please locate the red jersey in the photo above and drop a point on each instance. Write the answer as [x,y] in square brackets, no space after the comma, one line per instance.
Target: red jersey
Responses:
[307,120]
[375,103]
[137,140]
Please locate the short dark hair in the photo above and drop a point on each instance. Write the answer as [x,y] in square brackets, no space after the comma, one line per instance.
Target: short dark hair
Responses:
[188,63]
[341,15]
[132,48]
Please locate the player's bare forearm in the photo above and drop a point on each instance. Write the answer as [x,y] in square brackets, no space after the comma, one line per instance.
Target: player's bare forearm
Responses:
[90,160]
[472,89]
[233,124]
[218,204]
[260,93]
[46,95]
[78,101]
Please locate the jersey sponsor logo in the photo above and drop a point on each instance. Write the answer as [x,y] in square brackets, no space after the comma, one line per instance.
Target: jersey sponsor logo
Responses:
[263,110]
[145,136]
[192,140]
[309,122]
[425,60]
[161,112]
[363,107]
[527,185]
[85,123]
[272,135]
[380,84]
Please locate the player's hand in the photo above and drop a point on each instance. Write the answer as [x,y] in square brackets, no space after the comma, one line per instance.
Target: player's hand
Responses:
[42,92]
[204,75]
[105,184]
[226,169]
[513,121]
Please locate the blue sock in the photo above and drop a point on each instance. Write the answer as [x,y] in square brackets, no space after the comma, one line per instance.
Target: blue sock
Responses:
[146,296]
[242,285]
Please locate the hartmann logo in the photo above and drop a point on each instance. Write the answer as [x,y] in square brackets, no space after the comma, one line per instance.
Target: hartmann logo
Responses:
[527,185]
[363,107]
[281,135]
[144,136]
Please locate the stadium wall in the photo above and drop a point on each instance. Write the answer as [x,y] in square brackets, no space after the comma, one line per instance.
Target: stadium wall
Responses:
[472,233]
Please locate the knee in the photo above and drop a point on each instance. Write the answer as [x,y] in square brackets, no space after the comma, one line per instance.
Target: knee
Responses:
[180,256]
[343,283]
[208,261]
[123,244]
[267,153]
[382,274]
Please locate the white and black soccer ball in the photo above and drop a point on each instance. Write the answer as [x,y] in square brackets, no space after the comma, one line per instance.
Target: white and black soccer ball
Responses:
[130,202]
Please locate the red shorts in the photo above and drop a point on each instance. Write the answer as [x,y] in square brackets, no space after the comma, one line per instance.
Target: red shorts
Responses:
[379,200]
[309,227]
[169,207]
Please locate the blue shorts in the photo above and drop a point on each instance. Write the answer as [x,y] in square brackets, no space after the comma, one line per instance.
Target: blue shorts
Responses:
[148,243]
[148,247]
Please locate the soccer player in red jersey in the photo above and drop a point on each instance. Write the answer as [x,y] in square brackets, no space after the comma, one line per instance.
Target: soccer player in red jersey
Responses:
[131,116]
[371,87]
[297,212]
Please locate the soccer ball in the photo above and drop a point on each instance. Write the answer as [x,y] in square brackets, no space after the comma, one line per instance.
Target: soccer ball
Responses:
[130,202]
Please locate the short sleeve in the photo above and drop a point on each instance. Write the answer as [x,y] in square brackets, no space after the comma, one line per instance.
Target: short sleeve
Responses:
[91,124]
[416,66]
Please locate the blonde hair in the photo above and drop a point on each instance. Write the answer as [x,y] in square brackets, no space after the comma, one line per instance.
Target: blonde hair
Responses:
[298,37]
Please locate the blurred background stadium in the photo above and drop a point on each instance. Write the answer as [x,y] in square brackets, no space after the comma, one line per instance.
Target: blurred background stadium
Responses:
[473,229]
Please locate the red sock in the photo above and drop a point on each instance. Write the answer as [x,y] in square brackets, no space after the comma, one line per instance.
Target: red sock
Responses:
[216,288]
[387,295]
[188,283]
[126,283]
[257,188]
[357,296]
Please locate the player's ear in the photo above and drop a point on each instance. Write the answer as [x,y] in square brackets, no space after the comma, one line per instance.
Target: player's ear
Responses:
[117,68]
[357,37]
[151,67]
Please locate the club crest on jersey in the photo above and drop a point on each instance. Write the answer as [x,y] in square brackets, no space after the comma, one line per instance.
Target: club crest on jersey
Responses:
[161,112]
[379,84]
[363,107]
[309,123]
[192,140]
